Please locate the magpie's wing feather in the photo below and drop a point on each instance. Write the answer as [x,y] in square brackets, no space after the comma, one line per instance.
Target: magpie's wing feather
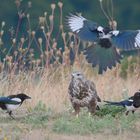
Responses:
[104,58]
[6,100]
[126,40]
[85,29]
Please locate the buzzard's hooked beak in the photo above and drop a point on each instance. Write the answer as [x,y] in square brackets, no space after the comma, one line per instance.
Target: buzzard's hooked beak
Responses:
[72,75]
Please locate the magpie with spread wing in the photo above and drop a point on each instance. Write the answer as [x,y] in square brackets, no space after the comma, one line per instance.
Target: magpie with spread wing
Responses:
[104,52]
[12,102]
[132,104]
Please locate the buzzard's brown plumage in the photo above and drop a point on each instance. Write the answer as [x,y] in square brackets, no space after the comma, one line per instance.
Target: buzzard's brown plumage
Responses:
[82,93]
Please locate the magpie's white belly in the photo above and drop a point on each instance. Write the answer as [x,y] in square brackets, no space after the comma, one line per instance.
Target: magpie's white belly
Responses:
[130,108]
[11,107]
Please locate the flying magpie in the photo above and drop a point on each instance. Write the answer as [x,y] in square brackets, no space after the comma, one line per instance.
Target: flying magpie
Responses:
[132,104]
[104,52]
[12,102]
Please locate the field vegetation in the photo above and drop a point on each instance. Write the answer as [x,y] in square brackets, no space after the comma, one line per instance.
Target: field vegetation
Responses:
[39,63]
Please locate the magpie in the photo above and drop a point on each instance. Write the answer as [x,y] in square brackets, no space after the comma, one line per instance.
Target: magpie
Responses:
[131,104]
[12,102]
[106,41]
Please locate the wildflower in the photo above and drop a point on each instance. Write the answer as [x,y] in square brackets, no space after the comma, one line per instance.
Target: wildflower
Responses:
[60,4]
[28,15]
[42,27]
[3,24]
[15,53]
[54,45]
[29,4]
[1,33]
[1,43]
[38,61]
[31,50]
[41,56]
[41,20]
[32,55]
[17,2]
[48,34]
[14,41]
[22,40]
[45,14]
[53,6]
[58,52]
[40,41]
[33,33]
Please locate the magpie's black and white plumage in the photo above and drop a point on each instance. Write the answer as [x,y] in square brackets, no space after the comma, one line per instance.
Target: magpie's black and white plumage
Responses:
[12,102]
[132,104]
[104,53]
[82,93]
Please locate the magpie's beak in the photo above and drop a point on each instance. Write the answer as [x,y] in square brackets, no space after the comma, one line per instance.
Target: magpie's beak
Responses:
[28,97]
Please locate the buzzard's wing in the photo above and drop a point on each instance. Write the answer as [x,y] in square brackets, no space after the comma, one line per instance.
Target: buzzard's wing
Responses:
[92,88]
[126,40]
[85,29]
[104,58]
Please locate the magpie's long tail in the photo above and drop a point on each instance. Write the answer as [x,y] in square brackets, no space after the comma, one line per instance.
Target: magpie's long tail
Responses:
[113,103]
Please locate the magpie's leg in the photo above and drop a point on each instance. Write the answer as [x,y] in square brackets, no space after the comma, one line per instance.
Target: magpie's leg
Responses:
[11,114]
[97,107]
[127,112]
[133,111]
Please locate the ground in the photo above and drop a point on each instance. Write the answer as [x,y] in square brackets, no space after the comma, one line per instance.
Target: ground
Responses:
[44,124]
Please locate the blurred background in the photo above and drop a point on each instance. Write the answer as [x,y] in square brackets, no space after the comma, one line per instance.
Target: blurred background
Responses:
[126,12]
[34,33]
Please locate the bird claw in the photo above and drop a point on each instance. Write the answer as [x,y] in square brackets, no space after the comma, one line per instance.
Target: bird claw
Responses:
[12,117]
[11,114]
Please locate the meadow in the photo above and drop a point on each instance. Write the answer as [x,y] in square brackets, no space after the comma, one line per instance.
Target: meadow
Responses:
[41,67]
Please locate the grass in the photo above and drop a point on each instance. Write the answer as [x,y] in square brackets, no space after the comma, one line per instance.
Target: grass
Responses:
[112,119]
[107,121]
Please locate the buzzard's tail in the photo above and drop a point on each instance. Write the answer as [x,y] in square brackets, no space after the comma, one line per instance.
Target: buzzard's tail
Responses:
[102,57]
[113,103]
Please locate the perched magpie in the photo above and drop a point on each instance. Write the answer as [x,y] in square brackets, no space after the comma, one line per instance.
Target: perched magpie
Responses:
[12,102]
[106,40]
[132,104]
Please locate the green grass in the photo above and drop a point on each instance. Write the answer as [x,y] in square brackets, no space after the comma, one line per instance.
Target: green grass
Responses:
[39,116]
[108,118]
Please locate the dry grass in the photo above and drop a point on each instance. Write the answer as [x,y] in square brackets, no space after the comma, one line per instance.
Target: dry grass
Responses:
[52,87]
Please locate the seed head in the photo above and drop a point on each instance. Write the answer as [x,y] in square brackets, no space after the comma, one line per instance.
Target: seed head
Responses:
[60,4]
[53,6]
[40,41]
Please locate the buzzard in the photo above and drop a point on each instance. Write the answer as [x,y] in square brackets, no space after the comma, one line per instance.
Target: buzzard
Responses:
[82,93]
[106,40]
